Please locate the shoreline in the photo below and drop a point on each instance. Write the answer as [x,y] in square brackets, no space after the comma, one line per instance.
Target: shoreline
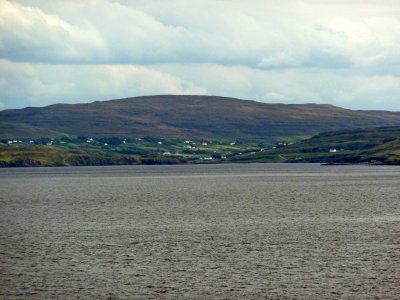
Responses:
[36,164]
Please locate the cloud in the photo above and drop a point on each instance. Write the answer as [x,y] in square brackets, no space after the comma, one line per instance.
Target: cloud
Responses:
[29,34]
[289,51]
[265,33]
[372,92]
[25,84]
[342,88]
[280,59]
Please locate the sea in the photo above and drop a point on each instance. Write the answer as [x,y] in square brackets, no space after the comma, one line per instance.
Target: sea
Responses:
[227,231]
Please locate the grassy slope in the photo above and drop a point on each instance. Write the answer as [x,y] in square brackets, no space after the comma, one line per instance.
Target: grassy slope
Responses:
[355,146]
[27,156]
[78,151]
[44,155]
[388,152]
[361,145]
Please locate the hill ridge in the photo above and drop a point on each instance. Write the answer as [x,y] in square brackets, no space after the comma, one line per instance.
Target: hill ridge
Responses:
[195,116]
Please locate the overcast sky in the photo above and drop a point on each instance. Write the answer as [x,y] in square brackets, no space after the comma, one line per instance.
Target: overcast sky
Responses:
[341,52]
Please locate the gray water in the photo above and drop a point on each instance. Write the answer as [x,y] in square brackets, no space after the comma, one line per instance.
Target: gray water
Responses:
[260,231]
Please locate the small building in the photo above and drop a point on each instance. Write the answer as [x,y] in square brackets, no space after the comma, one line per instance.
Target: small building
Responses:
[332,150]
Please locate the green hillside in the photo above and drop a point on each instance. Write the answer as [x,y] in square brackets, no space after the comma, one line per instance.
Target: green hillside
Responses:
[376,145]
[81,151]
[388,152]
[372,145]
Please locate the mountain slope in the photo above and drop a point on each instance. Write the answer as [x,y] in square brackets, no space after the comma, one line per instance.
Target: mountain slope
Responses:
[381,144]
[388,152]
[187,116]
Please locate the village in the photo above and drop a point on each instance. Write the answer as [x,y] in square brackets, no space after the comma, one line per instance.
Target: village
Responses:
[203,149]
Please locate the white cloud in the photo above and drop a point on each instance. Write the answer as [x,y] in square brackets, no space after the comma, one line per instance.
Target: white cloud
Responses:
[289,51]
[29,34]
[274,97]
[28,84]
[280,59]
[374,92]
[268,33]
[341,88]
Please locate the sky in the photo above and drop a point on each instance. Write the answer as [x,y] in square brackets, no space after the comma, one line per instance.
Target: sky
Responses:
[340,52]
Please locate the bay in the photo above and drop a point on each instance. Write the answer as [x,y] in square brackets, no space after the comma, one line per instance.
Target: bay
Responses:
[231,231]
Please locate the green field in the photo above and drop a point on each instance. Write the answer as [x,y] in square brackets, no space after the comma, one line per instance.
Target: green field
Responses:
[75,151]
[371,145]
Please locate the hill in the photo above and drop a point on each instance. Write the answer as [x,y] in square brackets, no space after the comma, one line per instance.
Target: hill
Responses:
[378,145]
[171,116]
